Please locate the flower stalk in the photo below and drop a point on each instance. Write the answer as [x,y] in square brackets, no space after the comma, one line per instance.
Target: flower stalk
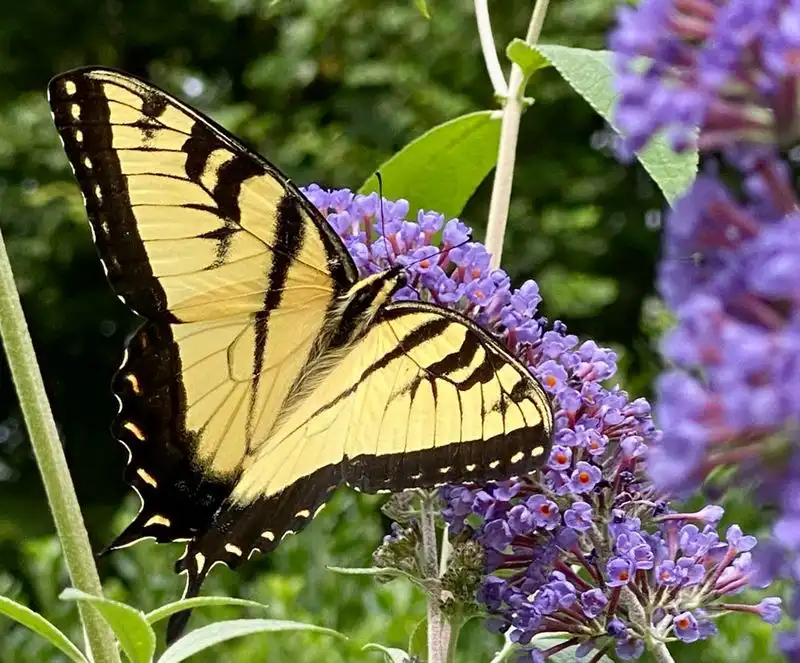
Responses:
[509,135]
[52,463]
[660,652]
[438,629]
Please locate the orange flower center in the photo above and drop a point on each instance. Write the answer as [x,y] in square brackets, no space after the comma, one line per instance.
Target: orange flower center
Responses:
[475,273]
[623,575]
[550,381]
[683,623]
[545,509]
[583,477]
[425,263]
[561,457]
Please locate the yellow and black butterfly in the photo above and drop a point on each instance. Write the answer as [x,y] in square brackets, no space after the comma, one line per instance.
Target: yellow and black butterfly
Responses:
[266,372]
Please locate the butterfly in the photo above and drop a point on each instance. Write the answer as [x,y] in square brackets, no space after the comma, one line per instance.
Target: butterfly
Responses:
[267,372]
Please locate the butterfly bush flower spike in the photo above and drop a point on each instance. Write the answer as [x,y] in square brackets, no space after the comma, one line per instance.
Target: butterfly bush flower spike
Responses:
[586,547]
[723,76]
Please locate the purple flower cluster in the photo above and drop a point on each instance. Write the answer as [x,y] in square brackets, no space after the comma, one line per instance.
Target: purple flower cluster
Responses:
[443,265]
[578,547]
[588,548]
[723,74]
[727,67]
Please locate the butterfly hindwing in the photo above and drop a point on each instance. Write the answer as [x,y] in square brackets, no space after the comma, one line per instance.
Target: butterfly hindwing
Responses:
[425,397]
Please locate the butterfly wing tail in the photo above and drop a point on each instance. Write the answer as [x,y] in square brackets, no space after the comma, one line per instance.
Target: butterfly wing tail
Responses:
[177,625]
[196,573]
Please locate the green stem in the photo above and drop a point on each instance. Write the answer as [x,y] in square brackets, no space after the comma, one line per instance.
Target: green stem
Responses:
[455,631]
[505,653]
[52,464]
[489,50]
[509,134]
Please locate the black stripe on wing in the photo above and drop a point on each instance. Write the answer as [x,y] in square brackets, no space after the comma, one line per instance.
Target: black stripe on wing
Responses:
[88,142]
[289,237]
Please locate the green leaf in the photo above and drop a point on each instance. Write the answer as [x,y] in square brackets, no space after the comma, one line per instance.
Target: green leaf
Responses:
[197,602]
[591,74]
[567,655]
[418,642]
[390,654]
[529,60]
[135,636]
[375,571]
[38,624]
[441,169]
[213,634]
[422,5]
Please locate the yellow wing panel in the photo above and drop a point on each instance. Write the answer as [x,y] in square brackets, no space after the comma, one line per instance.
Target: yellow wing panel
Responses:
[401,410]
[190,225]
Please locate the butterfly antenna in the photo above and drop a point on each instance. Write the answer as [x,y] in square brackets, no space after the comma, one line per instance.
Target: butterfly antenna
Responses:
[383,220]
[383,232]
[441,251]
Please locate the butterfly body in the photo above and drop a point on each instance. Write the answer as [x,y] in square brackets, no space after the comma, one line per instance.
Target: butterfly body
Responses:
[267,372]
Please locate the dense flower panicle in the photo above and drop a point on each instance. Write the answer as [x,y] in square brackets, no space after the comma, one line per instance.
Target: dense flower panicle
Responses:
[592,506]
[727,67]
[723,74]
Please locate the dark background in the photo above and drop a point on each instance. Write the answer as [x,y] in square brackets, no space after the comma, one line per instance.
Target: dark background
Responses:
[327,90]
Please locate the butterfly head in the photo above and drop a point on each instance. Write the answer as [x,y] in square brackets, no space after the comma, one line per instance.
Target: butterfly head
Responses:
[367,297]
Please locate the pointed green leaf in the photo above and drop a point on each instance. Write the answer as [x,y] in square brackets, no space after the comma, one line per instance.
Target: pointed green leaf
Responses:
[38,624]
[390,654]
[567,655]
[529,60]
[208,636]
[135,636]
[418,642]
[422,5]
[197,602]
[386,572]
[591,74]
[441,169]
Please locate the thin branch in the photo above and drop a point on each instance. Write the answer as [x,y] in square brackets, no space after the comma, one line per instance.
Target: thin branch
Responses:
[509,134]
[505,653]
[489,49]
[438,629]
[52,464]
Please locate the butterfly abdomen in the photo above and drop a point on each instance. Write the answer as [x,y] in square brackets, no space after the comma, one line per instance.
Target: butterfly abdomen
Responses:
[347,322]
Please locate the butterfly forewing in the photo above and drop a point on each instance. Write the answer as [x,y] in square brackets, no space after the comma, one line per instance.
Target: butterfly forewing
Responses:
[424,398]
[190,224]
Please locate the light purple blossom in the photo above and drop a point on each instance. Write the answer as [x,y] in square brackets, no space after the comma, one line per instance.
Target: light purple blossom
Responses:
[579,516]
[686,628]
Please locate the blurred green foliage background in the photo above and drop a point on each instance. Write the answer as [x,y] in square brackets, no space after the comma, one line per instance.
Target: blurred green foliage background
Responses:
[327,89]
